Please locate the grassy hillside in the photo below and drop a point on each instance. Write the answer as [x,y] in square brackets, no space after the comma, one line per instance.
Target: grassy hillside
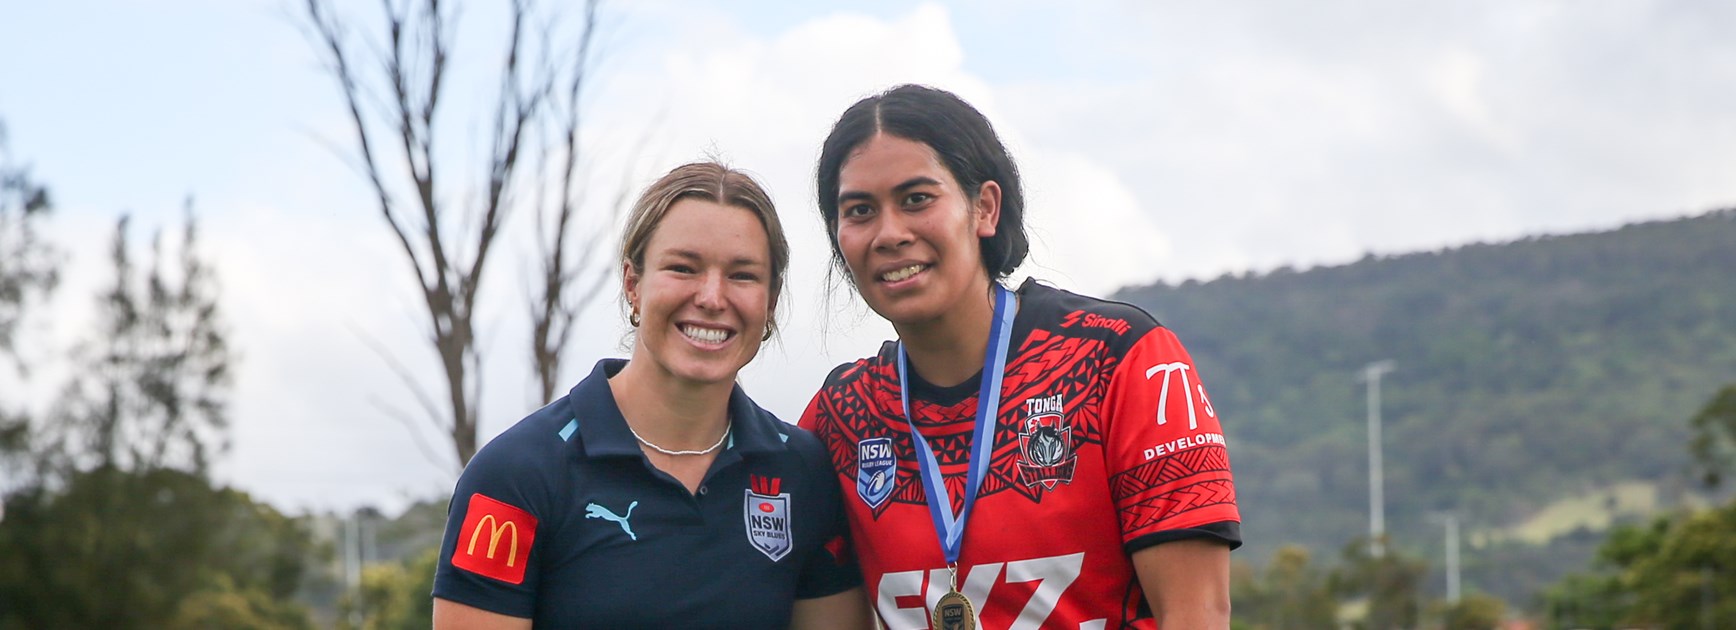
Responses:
[1541,386]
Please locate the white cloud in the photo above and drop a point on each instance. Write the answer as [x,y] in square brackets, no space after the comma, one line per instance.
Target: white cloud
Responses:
[1310,134]
[1075,206]
[307,295]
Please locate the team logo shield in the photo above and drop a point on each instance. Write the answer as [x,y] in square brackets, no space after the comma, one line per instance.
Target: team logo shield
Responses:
[768,523]
[1046,451]
[876,470]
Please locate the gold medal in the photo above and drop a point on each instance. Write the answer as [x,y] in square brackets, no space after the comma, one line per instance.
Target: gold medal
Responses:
[953,611]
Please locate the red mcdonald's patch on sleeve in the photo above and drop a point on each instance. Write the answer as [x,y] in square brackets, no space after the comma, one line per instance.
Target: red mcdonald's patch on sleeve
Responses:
[495,540]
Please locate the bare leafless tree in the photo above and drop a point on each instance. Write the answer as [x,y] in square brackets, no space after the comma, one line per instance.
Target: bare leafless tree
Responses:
[393,90]
[553,308]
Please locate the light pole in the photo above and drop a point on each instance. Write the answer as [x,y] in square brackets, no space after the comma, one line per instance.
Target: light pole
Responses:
[1451,521]
[1376,500]
[353,563]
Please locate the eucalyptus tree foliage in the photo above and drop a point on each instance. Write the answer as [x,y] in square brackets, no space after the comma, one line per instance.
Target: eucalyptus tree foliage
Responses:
[29,271]
[28,263]
[152,383]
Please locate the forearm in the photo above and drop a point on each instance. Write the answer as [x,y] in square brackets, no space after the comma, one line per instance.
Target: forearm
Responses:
[1213,614]
[1187,583]
[450,615]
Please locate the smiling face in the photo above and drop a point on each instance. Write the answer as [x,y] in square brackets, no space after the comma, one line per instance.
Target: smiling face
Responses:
[909,234]
[704,292]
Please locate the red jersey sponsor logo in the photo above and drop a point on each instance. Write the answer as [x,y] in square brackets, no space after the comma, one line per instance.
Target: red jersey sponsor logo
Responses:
[1031,593]
[1093,320]
[495,540]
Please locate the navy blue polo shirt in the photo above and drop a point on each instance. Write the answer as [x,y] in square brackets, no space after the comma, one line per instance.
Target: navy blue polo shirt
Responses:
[563,520]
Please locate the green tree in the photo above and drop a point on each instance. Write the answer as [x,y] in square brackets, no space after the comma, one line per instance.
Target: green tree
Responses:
[133,549]
[1390,582]
[1587,600]
[1291,594]
[223,605]
[1676,572]
[28,263]
[393,596]
[1476,611]
[152,390]
[1679,571]
[1714,443]
[29,271]
[123,528]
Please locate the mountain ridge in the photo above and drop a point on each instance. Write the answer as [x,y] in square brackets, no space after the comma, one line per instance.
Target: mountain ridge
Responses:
[1527,372]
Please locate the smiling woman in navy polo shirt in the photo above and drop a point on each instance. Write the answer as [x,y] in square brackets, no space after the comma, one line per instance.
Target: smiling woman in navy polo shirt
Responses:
[656,493]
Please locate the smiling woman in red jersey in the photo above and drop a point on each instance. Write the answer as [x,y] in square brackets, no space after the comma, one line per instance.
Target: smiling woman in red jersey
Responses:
[656,494]
[1016,458]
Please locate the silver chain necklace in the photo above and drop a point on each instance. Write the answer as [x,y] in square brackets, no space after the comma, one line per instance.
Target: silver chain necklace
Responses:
[665,451]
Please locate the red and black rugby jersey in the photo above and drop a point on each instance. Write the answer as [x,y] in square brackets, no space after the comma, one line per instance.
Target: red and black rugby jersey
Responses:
[1105,443]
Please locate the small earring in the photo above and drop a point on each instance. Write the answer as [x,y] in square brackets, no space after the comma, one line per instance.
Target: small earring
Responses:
[633,318]
[768,335]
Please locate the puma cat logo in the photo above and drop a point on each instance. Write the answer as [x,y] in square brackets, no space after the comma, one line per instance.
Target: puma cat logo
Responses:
[597,511]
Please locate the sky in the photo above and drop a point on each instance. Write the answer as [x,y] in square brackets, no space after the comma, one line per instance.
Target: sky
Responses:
[1160,141]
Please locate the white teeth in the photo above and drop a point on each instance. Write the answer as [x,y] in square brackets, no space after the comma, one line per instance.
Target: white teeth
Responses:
[900,274]
[708,335]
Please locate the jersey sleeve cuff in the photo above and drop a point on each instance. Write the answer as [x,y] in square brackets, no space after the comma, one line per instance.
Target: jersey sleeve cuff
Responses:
[832,580]
[482,601]
[1227,532]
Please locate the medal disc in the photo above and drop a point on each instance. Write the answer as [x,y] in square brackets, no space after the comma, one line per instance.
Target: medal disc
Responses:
[953,612]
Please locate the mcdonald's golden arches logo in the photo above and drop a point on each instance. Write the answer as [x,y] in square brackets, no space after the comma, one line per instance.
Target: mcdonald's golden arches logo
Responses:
[495,529]
[488,523]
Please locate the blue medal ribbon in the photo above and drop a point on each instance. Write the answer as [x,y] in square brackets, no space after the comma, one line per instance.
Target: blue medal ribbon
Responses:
[948,527]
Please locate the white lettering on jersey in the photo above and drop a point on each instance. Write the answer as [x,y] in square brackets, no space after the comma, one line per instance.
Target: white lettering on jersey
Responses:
[896,585]
[1056,404]
[1163,394]
[1205,401]
[1053,575]
[1183,443]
